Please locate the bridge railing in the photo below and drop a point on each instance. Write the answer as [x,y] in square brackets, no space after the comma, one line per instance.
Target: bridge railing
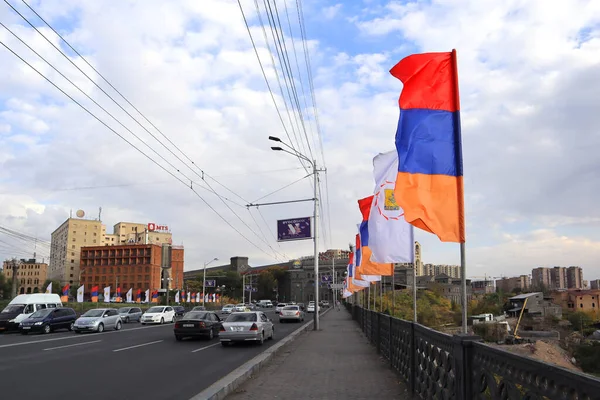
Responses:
[436,365]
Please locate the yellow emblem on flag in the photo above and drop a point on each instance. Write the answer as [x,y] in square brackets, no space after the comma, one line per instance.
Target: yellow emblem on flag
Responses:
[390,201]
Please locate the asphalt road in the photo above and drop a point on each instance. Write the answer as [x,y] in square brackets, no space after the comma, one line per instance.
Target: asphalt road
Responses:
[138,362]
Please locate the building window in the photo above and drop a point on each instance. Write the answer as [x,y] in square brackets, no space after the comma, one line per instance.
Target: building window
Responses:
[72,261]
[73,246]
[74,232]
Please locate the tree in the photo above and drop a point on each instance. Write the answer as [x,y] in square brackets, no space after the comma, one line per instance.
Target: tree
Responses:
[5,286]
[56,286]
[266,284]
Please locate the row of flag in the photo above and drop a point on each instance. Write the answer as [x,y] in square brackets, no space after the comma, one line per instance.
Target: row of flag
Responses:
[420,184]
[192,297]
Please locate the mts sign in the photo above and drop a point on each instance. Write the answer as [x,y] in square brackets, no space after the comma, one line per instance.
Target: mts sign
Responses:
[152,227]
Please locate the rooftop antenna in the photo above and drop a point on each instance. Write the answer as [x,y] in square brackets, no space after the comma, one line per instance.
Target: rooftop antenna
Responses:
[100,214]
[71,213]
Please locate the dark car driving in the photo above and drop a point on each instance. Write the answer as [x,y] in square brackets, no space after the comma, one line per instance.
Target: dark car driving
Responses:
[179,311]
[198,323]
[48,320]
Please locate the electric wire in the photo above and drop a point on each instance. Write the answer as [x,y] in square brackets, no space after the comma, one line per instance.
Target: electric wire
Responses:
[282,188]
[132,145]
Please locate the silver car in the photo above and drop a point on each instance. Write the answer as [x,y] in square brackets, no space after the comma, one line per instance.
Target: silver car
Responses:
[97,320]
[291,313]
[129,314]
[246,326]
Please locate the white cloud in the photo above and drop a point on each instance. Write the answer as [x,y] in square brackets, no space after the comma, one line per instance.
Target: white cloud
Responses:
[529,84]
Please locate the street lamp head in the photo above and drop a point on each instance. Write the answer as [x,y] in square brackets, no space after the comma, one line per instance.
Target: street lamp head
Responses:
[274,138]
[215,259]
[277,148]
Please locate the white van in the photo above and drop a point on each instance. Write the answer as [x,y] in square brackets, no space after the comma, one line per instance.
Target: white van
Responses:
[23,306]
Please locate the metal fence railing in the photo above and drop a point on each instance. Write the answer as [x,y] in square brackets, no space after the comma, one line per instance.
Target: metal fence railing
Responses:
[436,365]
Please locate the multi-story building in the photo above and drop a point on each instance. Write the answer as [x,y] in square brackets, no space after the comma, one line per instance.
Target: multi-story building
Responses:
[559,278]
[509,285]
[574,277]
[578,300]
[418,259]
[483,287]
[75,233]
[541,278]
[65,247]
[595,284]
[137,266]
[31,275]
[433,270]
[451,288]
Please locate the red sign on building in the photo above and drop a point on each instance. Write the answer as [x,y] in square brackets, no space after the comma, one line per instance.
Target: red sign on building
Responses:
[152,227]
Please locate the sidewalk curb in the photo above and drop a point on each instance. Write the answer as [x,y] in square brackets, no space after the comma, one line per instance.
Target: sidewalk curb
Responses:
[230,382]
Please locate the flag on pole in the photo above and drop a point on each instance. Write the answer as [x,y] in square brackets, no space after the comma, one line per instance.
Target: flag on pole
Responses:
[358,262]
[356,282]
[183,296]
[138,296]
[49,288]
[429,183]
[129,295]
[198,297]
[147,294]
[188,297]
[177,297]
[94,294]
[119,299]
[80,291]
[391,238]
[193,297]
[107,294]
[367,266]
[65,293]
[155,296]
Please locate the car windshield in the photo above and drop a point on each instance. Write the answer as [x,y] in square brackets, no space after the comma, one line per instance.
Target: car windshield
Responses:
[195,315]
[242,317]
[239,305]
[291,308]
[93,313]
[228,305]
[41,313]
[155,310]
[123,310]
[199,308]
[14,308]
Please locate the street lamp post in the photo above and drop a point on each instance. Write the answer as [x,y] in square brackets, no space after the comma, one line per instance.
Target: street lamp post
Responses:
[315,174]
[204,278]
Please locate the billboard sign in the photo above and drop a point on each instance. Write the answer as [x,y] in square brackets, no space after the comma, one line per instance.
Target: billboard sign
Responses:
[326,278]
[294,229]
[152,227]
[210,283]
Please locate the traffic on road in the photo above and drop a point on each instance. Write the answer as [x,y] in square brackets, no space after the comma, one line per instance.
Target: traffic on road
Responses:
[129,348]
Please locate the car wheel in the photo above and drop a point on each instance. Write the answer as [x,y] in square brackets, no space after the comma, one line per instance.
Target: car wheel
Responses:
[126,320]
[211,334]
[162,321]
[71,326]
[119,326]
[143,323]
[178,338]
[47,329]
[272,334]
[280,321]
[100,328]
[77,331]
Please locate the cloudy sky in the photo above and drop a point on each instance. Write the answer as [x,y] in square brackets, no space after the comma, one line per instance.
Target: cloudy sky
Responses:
[529,80]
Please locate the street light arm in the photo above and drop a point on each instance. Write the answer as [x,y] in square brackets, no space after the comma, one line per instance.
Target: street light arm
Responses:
[295,154]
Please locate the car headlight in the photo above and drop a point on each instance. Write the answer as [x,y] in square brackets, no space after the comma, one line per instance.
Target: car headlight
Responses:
[12,320]
[38,323]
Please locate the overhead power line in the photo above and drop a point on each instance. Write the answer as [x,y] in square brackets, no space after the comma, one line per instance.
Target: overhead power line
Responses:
[132,145]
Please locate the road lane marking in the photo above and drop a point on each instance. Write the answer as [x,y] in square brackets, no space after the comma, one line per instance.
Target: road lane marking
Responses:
[138,345]
[79,337]
[206,347]
[71,345]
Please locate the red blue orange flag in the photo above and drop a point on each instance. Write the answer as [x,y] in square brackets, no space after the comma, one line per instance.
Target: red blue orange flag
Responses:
[65,293]
[365,265]
[429,185]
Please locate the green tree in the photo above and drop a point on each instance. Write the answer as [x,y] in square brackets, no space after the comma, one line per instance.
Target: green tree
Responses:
[56,286]
[580,320]
[5,286]
[266,284]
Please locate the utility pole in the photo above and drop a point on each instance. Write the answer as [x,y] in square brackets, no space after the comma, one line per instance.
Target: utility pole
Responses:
[15,268]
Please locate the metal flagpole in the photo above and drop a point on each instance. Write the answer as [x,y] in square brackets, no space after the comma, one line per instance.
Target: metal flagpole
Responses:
[394,290]
[463,278]
[415,292]
[316,243]
[381,295]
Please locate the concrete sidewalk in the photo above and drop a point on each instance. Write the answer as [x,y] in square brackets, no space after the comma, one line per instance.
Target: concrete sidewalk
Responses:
[336,362]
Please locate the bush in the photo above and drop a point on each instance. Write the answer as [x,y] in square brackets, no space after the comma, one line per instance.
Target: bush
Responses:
[587,356]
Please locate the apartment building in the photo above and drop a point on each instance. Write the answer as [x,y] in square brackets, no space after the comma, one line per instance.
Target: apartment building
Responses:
[575,278]
[558,278]
[31,275]
[508,285]
[452,271]
[137,266]
[595,284]
[75,233]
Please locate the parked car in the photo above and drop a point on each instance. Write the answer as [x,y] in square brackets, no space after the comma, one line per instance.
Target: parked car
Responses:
[246,326]
[158,315]
[130,314]
[325,303]
[199,308]
[311,307]
[240,308]
[97,320]
[291,313]
[198,323]
[179,311]
[227,308]
[48,320]
[251,306]
[265,304]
